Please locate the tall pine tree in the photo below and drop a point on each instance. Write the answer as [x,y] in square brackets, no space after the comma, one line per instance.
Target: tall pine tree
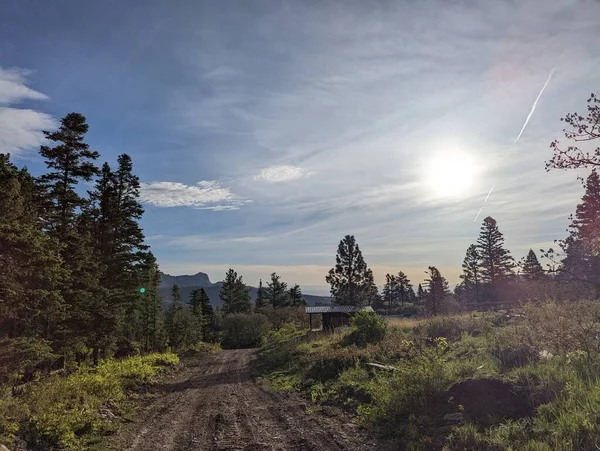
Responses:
[532,269]
[277,292]
[261,298]
[496,262]
[437,292]
[235,294]
[471,276]
[351,281]
[295,296]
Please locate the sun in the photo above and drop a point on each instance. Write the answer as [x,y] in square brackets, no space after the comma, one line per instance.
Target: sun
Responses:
[450,174]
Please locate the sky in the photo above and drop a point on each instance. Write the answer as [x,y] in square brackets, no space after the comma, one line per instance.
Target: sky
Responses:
[265,131]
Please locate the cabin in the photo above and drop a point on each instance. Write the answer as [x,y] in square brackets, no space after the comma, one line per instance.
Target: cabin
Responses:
[335,315]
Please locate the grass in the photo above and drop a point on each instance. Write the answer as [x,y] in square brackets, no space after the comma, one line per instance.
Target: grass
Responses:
[67,412]
[549,354]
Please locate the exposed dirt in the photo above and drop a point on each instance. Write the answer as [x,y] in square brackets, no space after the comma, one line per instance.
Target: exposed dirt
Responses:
[488,400]
[213,404]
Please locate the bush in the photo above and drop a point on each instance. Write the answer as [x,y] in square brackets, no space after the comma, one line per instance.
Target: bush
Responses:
[367,327]
[244,331]
[60,411]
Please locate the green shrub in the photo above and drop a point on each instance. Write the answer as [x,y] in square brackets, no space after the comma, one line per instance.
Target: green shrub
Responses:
[244,331]
[452,327]
[328,365]
[367,327]
[60,411]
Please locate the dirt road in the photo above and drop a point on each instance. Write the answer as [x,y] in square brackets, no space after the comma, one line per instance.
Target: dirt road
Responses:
[215,405]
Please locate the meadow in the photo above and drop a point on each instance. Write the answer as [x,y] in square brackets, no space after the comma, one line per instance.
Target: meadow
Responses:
[528,379]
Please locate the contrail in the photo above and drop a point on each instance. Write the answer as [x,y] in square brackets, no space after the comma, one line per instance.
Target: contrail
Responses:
[484,202]
[535,103]
[490,192]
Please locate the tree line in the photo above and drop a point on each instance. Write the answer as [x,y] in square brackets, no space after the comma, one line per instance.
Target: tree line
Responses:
[77,280]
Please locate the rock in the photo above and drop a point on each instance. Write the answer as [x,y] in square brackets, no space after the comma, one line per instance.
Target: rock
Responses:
[454,417]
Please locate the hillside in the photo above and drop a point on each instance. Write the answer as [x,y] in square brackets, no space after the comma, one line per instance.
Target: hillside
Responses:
[189,283]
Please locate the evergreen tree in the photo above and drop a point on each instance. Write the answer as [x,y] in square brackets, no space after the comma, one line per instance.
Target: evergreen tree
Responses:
[532,269]
[496,262]
[150,331]
[437,292]
[70,162]
[277,292]
[209,320]
[351,281]
[404,287]
[30,266]
[390,291]
[582,246]
[412,297]
[421,293]
[235,294]
[295,296]
[371,291]
[178,322]
[471,276]
[261,298]
[196,302]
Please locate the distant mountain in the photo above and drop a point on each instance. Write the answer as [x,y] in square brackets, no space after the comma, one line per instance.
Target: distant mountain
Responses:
[198,280]
[189,283]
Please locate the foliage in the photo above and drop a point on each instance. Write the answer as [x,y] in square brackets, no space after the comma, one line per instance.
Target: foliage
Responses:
[548,353]
[471,276]
[60,411]
[367,328]
[496,262]
[244,330]
[437,292]
[276,293]
[581,129]
[351,280]
[235,294]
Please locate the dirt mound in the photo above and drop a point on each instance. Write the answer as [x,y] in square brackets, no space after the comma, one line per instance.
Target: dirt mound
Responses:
[486,401]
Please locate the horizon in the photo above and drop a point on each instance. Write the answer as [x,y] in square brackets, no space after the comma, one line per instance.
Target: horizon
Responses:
[263,134]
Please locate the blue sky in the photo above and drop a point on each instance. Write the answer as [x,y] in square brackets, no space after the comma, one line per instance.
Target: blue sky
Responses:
[265,131]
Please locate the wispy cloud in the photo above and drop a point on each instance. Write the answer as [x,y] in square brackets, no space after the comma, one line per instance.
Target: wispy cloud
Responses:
[281,173]
[208,195]
[20,129]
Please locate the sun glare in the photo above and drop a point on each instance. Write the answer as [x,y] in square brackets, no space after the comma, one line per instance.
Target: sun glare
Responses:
[450,174]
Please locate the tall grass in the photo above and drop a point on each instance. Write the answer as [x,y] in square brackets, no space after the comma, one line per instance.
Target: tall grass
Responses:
[63,411]
[548,353]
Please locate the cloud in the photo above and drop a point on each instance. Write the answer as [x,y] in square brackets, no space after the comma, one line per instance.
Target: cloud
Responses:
[281,173]
[13,89]
[207,195]
[20,129]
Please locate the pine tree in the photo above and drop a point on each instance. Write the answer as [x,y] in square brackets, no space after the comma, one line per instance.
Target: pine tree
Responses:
[496,262]
[404,287]
[196,302]
[30,266]
[421,294]
[437,292]
[295,296]
[277,292]
[261,299]
[70,162]
[471,276]
[582,246]
[532,269]
[209,320]
[412,297]
[178,322]
[390,291]
[150,330]
[235,294]
[351,281]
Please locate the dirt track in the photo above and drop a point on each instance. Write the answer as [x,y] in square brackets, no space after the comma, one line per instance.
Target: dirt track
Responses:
[215,405]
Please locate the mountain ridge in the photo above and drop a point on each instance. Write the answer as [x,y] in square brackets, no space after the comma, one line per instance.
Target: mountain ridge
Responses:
[189,283]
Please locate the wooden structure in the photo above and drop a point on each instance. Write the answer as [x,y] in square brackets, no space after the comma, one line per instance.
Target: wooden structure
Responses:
[335,315]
